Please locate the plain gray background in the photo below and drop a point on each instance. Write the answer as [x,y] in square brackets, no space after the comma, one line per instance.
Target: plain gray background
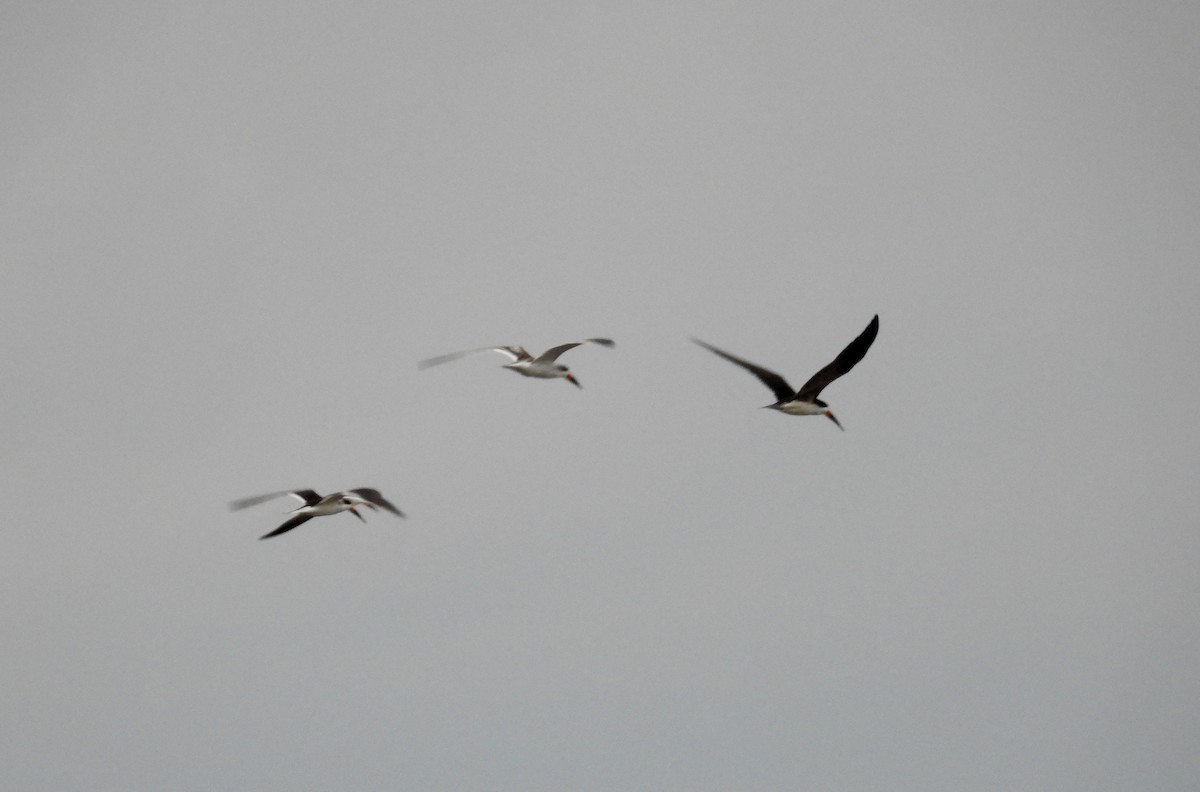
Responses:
[230,230]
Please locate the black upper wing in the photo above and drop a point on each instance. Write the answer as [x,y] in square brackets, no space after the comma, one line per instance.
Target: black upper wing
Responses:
[551,354]
[299,519]
[778,385]
[842,363]
[373,496]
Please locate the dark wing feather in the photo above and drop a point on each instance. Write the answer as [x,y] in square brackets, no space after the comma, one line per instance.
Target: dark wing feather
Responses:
[778,385]
[372,496]
[308,496]
[551,354]
[842,363]
[299,519]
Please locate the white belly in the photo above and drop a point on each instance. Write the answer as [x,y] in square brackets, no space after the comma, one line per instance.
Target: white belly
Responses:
[541,372]
[801,408]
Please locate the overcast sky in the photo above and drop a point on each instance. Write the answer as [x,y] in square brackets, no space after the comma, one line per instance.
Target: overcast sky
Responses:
[230,230]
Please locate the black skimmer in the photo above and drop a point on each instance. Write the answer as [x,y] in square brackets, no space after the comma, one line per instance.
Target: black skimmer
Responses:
[805,401]
[316,506]
[543,366]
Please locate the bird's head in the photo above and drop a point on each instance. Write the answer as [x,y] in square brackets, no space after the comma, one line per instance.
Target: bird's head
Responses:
[350,501]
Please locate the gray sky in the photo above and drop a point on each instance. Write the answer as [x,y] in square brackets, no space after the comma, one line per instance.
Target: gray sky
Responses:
[230,230]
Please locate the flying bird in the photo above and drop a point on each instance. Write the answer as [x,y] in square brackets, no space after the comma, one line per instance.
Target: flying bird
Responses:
[805,401]
[317,506]
[543,366]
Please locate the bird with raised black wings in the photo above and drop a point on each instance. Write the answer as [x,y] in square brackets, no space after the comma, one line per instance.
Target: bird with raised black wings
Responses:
[805,401]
